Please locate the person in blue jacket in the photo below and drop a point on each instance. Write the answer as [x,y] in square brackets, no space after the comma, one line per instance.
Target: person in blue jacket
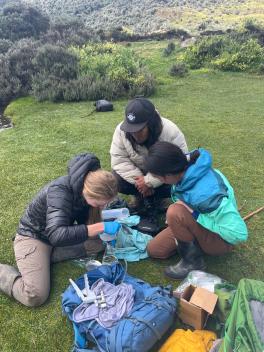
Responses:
[204,217]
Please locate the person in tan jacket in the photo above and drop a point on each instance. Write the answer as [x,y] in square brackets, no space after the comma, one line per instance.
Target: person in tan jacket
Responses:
[141,128]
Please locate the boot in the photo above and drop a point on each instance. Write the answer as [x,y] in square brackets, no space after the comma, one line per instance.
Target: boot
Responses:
[60,254]
[192,259]
[135,204]
[8,275]
[76,251]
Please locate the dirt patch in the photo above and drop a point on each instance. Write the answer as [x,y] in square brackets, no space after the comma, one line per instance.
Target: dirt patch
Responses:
[5,123]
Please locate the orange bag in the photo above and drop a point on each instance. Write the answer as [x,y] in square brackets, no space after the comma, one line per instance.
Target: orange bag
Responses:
[189,341]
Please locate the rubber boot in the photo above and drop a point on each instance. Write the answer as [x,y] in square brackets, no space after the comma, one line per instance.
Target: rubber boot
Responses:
[8,275]
[60,254]
[192,259]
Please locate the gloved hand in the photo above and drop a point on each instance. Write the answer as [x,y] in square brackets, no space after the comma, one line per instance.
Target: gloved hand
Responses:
[111,227]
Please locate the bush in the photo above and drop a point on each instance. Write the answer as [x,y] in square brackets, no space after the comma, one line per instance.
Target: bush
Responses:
[248,57]
[56,66]
[56,61]
[20,21]
[86,88]
[10,86]
[48,88]
[115,64]
[21,65]
[178,70]
[197,55]
[5,45]
[169,49]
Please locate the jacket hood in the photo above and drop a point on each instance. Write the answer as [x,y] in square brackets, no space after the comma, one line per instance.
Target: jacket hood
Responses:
[196,171]
[201,187]
[78,168]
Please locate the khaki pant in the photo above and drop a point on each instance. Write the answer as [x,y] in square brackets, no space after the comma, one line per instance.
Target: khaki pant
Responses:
[33,258]
[183,227]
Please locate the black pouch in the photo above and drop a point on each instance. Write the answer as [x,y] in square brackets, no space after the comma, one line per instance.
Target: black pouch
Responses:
[103,105]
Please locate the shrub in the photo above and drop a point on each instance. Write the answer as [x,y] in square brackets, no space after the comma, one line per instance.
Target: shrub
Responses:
[5,45]
[20,21]
[48,88]
[115,64]
[249,56]
[203,51]
[178,70]
[20,59]
[169,49]
[86,88]
[56,61]
[56,67]
[10,86]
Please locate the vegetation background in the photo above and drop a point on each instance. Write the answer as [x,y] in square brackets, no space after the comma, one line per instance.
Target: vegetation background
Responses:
[144,16]
[218,110]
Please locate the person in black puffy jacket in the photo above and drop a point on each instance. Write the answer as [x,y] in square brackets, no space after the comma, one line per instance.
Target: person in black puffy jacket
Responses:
[62,222]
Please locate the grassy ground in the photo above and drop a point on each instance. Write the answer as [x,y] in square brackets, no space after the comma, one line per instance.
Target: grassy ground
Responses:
[223,112]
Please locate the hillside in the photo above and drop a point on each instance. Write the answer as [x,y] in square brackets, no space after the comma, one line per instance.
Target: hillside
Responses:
[144,16]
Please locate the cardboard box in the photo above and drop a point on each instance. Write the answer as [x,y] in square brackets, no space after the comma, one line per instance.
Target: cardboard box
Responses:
[196,304]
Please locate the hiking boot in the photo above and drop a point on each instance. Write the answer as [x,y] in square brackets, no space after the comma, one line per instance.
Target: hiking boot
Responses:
[135,205]
[8,275]
[80,250]
[60,254]
[163,204]
[149,225]
[192,259]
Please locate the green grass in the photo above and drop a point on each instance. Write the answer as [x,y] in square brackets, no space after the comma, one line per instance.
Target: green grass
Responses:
[223,112]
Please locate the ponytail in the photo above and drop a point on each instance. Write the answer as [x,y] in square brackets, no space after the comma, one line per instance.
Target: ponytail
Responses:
[165,158]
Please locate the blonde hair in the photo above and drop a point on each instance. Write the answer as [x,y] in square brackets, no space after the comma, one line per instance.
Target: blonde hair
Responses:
[99,185]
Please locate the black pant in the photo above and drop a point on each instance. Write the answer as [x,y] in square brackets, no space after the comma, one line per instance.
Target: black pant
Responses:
[164,191]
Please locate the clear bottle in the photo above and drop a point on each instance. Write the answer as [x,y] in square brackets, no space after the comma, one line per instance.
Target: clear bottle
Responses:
[120,213]
[109,255]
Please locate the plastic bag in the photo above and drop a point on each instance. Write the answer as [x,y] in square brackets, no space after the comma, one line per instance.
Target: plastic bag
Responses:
[87,263]
[200,279]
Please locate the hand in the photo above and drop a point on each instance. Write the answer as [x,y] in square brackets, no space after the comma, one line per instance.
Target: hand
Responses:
[142,187]
[140,182]
[111,227]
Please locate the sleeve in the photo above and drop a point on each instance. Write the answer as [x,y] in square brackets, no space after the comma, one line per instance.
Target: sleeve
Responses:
[152,181]
[120,159]
[60,229]
[175,136]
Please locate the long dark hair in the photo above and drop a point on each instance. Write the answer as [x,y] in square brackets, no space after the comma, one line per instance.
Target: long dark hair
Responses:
[165,158]
[155,127]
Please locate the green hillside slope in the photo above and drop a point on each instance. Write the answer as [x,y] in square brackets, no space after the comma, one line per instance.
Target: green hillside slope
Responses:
[144,16]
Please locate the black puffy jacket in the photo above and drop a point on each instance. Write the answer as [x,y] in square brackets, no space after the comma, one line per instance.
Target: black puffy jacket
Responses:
[58,213]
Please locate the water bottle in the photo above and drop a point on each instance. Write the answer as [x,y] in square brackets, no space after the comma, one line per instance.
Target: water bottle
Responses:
[109,255]
[120,213]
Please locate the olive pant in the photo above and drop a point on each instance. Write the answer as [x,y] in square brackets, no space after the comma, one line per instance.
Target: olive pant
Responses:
[183,227]
[33,258]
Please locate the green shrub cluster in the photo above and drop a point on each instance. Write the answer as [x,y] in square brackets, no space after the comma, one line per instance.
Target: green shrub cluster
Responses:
[118,65]
[178,69]
[228,52]
[169,49]
[92,72]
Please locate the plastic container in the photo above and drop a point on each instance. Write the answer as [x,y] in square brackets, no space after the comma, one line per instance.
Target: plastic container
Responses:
[120,213]
[106,237]
[109,255]
[92,264]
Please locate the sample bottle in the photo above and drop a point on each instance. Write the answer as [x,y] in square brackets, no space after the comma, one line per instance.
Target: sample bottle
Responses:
[120,213]
[109,255]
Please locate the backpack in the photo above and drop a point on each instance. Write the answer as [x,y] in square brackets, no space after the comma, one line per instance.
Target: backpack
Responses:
[244,328]
[103,105]
[152,315]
